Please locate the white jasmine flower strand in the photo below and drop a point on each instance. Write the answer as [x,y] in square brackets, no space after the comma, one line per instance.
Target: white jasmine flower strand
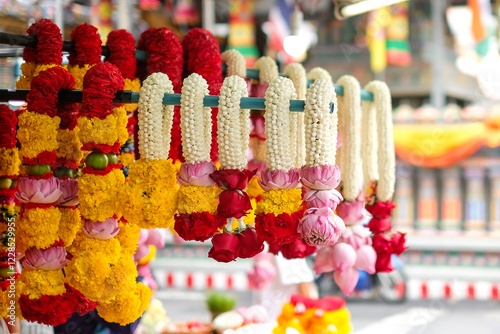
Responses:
[196,125]
[386,151]
[268,70]
[349,155]
[277,129]
[369,143]
[297,73]
[320,125]
[154,118]
[233,124]
[235,63]
[319,73]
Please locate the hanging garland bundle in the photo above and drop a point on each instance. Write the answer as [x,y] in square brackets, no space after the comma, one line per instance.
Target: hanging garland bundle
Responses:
[202,56]
[235,63]
[379,170]
[158,42]
[234,202]
[196,219]
[46,54]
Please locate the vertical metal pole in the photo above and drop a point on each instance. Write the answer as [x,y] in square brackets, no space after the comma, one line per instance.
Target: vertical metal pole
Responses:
[208,10]
[124,14]
[58,15]
[437,97]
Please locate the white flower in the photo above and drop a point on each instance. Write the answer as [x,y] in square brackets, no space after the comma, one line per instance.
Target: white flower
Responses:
[319,73]
[386,152]
[233,124]
[155,119]
[235,62]
[278,96]
[268,70]
[196,124]
[349,154]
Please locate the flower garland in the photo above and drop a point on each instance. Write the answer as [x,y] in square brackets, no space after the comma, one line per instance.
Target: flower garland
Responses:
[234,202]
[46,54]
[121,46]
[196,219]
[320,225]
[158,42]
[152,189]
[235,62]
[279,210]
[318,73]
[86,53]
[381,173]
[202,56]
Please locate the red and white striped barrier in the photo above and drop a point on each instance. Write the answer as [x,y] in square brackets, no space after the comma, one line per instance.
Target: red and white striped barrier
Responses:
[453,290]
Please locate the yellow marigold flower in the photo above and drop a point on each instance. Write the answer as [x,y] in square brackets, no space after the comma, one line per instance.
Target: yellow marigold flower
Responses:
[150,257]
[133,85]
[41,68]
[27,70]
[128,237]
[197,199]
[70,225]
[98,194]
[78,73]
[38,228]
[249,219]
[126,159]
[279,201]
[4,303]
[254,189]
[69,144]
[127,307]
[121,124]
[102,131]
[9,161]
[43,139]
[36,283]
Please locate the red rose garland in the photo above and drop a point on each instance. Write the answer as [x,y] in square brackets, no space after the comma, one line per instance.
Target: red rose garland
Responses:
[158,43]
[202,56]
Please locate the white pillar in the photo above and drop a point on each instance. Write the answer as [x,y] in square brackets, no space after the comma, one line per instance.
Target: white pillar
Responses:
[124,12]
[58,15]
[208,10]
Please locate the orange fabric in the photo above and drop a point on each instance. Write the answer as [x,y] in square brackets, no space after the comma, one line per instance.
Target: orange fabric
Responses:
[478,28]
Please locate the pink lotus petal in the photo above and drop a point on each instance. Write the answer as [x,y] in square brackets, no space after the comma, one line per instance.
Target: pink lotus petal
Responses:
[366,257]
[156,237]
[346,280]
[323,263]
[344,256]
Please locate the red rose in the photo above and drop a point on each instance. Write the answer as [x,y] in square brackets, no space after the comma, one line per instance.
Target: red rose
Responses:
[383,263]
[233,203]
[281,229]
[297,250]
[381,212]
[274,249]
[232,179]
[224,247]
[383,247]
[197,226]
[398,243]
[249,243]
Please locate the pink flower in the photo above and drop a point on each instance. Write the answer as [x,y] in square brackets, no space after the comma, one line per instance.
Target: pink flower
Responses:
[156,237]
[357,236]
[69,189]
[278,179]
[43,191]
[366,257]
[256,165]
[323,263]
[142,251]
[323,177]
[320,226]
[143,236]
[346,280]
[344,256]
[261,275]
[101,230]
[196,174]
[52,258]
[321,198]
[351,212]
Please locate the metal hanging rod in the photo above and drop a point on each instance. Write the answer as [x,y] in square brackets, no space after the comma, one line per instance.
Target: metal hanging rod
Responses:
[140,55]
[128,96]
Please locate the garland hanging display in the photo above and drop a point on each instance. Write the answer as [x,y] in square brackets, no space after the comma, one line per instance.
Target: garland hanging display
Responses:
[235,63]
[197,203]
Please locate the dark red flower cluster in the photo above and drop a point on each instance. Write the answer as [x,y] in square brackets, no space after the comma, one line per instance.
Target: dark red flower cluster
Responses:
[55,310]
[100,84]
[49,46]
[44,158]
[121,45]
[202,56]
[105,171]
[280,229]
[328,303]
[385,246]
[104,148]
[297,249]
[164,51]
[87,48]
[198,226]
[8,124]
[234,202]
[381,212]
[227,247]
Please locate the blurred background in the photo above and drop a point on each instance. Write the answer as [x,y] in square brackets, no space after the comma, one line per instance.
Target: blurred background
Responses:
[441,60]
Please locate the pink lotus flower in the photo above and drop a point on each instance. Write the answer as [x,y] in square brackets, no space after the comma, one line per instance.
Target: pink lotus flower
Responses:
[357,236]
[351,212]
[196,174]
[156,237]
[346,280]
[256,165]
[320,226]
[323,177]
[52,258]
[101,230]
[261,275]
[69,189]
[142,251]
[323,263]
[278,179]
[43,191]
[321,198]
[366,257]
[143,236]
[344,256]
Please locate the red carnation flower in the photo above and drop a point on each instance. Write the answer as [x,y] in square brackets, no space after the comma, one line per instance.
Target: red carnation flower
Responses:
[198,226]
[88,47]
[281,229]
[49,47]
[121,45]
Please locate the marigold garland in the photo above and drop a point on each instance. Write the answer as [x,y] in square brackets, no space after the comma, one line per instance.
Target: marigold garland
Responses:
[69,225]
[197,199]
[44,139]
[104,131]
[9,161]
[4,303]
[128,237]
[280,201]
[36,283]
[38,228]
